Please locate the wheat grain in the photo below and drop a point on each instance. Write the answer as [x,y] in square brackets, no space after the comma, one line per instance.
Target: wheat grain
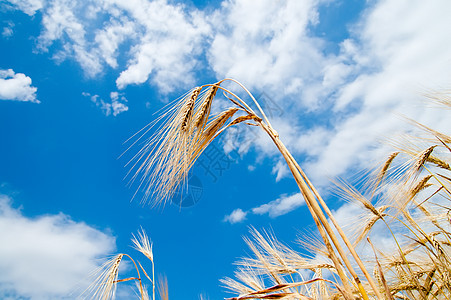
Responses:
[190,130]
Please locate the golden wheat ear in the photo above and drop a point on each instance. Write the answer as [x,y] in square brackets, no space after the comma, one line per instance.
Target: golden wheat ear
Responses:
[187,129]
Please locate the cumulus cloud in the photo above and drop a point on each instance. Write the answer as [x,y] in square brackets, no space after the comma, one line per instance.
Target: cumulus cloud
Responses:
[16,86]
[174,31]
[275,208]
[111,37]
[160,42]
[115,107]
[46,257]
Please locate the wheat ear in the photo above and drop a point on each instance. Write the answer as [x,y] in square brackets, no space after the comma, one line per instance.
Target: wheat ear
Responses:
[187,110]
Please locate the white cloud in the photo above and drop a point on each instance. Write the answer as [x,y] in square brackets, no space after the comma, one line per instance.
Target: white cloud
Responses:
[266,45]
[63,21]
[16,86]
[8,30]
[280,169]
[276,208]
[238,215]
[281,206]
[174,31]
[27,6]
[111,36]
[393,61]
[271,46]
[46,257]
[159,41]
[115,107]
[337,107]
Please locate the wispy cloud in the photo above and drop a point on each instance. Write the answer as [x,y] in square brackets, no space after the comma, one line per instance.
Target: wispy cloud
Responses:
[61,22]
[8,30]
[280,169]
[16,86]
[275,208]
[116,106]
[337,106]
[46,257]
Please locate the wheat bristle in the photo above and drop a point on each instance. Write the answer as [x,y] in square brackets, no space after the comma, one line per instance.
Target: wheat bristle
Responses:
[163,289]
[143,245]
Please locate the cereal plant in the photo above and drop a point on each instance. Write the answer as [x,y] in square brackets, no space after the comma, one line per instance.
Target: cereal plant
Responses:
[409,195]
[106,277]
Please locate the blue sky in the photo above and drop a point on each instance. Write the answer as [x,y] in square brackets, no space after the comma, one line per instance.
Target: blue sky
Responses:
[78,78]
